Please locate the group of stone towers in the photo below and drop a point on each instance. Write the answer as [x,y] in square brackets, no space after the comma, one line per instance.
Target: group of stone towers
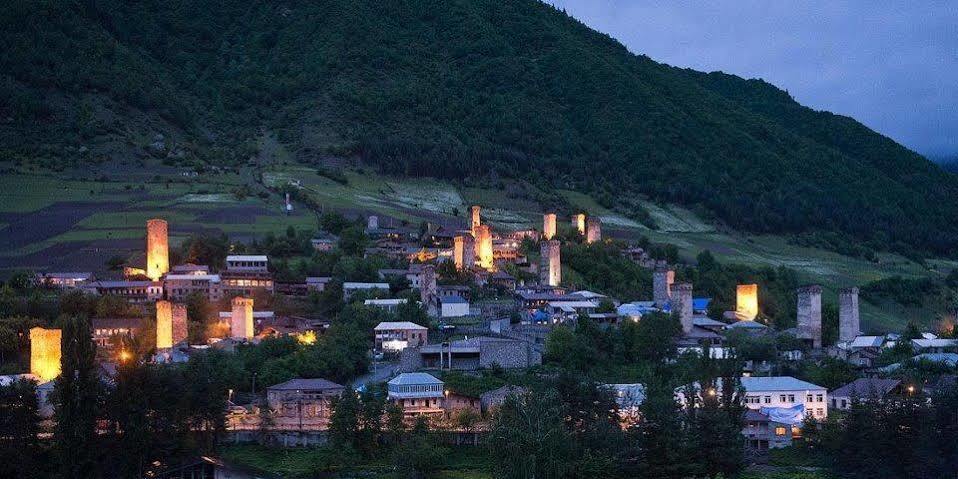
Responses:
[590,227]
[810,314]
[476,246]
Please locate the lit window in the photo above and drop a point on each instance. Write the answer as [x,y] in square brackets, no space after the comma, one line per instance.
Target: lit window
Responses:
[780,431]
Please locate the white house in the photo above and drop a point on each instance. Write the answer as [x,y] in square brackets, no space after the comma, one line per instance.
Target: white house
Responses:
[454,307]
[417,393]
[395,336]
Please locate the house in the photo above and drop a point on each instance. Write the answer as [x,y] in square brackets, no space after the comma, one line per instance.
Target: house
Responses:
[132,291]
[106,328]
[453,306]
[417,394]
[863,388]
[471,354]
[454,290]
[246,275]
[762,432]
[349,288]
[180,285]
[247,263]
[325,243]
[455,402]
[317,283]
[64,280]
[491,400]
[302,403]
[785,397]
[385,304]
[393,336]
[502,279]
[934,345]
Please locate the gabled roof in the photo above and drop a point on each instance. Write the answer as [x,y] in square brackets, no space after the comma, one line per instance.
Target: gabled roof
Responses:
[865,387]
[453,299]
[393,325]
[776,383]
[746,325]
[867,342]
[413,379]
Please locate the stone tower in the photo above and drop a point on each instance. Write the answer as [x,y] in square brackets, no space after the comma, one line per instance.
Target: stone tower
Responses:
[372,223]
[464,251]
[593,231]
[164,324]
[849,324]
[180,326]
[682,305]
[474,219]
[428,291]
[578,223]
[484,247]
[45,353]
[550,266]
[241,319]
[662,279]
[810,314]
[157,249]
[746,302]
[548,226]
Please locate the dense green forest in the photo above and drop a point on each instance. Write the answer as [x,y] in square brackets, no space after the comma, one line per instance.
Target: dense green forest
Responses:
[458,88]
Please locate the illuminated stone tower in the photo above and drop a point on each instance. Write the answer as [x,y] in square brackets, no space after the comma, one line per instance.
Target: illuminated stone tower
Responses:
[180,326]
[849,324]
[241,318]
[164,324]
[484,247]
[474,219]
[45,353]
[662,279]
[810,314]
[682,305]
[464,251]
[593,231]
[550,266]
[578,222]
[548,226]
[157,249]
[746,301]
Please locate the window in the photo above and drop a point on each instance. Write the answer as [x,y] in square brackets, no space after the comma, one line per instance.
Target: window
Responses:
[781,398]
[819,398]
[768,399]
[791,398]
[780,430]
[844,403]
[808,398]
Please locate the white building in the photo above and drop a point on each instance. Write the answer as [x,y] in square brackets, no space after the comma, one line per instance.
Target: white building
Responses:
[393,336]
[386,304]
[785,392]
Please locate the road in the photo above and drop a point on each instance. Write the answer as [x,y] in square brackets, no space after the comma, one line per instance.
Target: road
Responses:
[380,372]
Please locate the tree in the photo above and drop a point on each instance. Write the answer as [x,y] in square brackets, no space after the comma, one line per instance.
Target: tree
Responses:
[77,397]
[344,421]
[19,426]
[527,438]
[128,408]
[663,451]
[352,240]
[419,454]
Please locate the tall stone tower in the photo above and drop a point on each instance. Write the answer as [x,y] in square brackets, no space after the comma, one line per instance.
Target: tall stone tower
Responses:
[372,223]
[593,231]
[662,279]
[548,226]
[746,302]
[682,305]
[484,245]
[550,265]
[849,324]
[180,326]
[474,219]
[241,319]
[578,223]
[164,324]
[157,248]
[464,251]
[810,314]
[428,291]
[45,353]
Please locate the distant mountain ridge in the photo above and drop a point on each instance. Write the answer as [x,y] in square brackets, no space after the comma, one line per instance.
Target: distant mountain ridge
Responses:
[455,88]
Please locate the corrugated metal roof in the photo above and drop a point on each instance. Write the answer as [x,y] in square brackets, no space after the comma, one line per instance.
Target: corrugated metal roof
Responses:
[414,378]
[776,383]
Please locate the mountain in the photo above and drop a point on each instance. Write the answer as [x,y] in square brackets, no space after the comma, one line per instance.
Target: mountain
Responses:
[482,89]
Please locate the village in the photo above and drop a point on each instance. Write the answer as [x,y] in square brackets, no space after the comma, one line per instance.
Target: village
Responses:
[507,329]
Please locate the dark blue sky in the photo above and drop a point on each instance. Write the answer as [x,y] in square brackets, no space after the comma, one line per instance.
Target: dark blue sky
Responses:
[891,65]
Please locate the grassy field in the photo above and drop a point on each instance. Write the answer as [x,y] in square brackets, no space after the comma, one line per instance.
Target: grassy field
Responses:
[45,216]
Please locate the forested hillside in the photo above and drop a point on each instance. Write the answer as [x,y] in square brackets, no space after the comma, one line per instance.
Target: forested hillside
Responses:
[454,88]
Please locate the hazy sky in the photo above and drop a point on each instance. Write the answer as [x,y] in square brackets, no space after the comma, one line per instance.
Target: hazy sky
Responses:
[891,65]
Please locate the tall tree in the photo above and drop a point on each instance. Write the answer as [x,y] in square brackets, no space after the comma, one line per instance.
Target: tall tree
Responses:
[19,425]
[77,397]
